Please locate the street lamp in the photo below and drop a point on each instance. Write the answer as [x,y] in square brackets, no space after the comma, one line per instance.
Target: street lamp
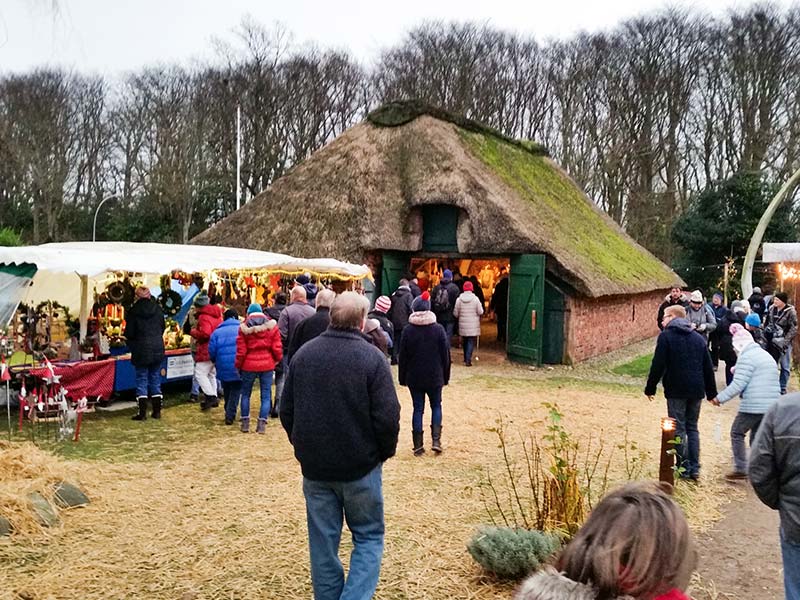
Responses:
[97,210]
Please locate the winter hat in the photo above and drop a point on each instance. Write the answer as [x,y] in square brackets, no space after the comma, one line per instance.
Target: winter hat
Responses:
[746,306]
[783,297]
[255,307]
[371,325]
[422,302]
[738,307]
[697,296]
[468,286]
[231,313]
[303,279]
[383,304]
[142,292]
[736,327]
[718,295]
[202,299]
[756,290]
[448,274]
[753,320]
[741,339]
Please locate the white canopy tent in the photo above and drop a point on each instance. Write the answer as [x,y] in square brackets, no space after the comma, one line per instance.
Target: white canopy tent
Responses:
[65,272]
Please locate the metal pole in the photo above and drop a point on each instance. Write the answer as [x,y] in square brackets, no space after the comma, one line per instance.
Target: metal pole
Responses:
[8,409]
[97,210]
[238,155]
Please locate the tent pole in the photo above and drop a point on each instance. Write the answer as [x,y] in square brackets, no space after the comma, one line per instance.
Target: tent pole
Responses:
[84,314]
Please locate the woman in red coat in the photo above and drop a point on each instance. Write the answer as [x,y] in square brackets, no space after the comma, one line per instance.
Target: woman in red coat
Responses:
[258,351]
[208,316]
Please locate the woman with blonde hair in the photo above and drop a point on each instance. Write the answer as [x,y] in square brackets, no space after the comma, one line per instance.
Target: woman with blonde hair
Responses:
[635,545]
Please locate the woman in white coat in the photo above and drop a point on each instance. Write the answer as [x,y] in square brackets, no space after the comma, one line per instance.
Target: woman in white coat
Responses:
[468,311]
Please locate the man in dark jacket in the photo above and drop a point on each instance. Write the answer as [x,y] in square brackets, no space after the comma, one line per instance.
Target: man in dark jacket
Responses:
[780,329]
[399,313]
[342,416]
[443,302]
[775,475]
[757,304]
[720,312]
[314,325]
[144,331]
[682,360]
[274,312]
[675,298]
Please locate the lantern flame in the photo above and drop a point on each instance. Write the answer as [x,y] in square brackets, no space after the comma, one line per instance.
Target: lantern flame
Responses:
[667,424]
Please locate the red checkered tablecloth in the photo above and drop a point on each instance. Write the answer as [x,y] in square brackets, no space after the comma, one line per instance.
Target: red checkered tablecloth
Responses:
[85,378]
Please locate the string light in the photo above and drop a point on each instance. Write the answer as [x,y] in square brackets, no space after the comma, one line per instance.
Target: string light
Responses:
[786,272]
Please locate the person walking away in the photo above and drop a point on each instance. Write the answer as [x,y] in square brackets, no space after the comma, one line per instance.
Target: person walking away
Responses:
[780,329]
[478,290]
[209,316]
[424,366]
[674,298]
[683,364]
[615,555]
[413,285]
[499,305]
[757,303]
[341,414]
[756,380]
[443,303]
[377,336]
[258,350]
[274,313]
[382,306]
[774,473]
[735,317]
[144,330]
[700,316]
[399,312]
[289,319]
[310,288]
[222,352]
[468,311]
[314,325]
[720,311]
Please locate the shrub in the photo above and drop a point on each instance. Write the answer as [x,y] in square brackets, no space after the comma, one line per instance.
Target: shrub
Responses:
[511,553]
[9,237]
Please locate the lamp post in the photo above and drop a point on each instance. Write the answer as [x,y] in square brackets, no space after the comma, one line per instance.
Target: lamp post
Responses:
[97,210]
[666,470]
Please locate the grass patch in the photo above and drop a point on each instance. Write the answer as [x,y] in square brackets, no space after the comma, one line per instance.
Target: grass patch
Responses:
[638,367]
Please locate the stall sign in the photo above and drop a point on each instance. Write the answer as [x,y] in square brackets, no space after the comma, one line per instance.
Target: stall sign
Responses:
[180,366]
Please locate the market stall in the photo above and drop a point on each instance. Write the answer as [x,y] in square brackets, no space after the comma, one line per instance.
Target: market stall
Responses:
[66,302]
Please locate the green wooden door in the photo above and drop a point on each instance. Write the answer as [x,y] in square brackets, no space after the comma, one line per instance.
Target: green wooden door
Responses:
[526,308]
[395,267]
[555,307]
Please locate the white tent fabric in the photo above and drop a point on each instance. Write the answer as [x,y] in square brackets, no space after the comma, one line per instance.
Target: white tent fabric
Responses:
[95,258]
[781,252]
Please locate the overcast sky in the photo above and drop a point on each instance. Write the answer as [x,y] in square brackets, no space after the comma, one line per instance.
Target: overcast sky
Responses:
[113,36]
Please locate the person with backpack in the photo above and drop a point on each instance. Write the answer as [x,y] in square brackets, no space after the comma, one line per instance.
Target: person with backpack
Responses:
[443,303]
[399,312]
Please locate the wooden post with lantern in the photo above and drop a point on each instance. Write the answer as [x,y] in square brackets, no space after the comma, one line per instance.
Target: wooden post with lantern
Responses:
[666,467]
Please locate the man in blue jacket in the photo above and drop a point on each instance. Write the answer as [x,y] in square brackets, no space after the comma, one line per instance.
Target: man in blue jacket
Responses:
[222,351]
[682,361]
[341,413]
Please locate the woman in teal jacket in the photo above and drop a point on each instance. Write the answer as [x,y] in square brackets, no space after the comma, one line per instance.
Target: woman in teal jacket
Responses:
[756,379]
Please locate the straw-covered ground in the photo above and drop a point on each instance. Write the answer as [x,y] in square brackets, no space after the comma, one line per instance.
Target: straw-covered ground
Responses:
[189,508]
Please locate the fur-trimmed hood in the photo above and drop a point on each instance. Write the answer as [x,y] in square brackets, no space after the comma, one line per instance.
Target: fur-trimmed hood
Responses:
[549,584]
[422,317]
[257,322]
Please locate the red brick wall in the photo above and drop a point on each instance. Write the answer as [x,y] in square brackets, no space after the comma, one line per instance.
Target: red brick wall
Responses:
[598,325]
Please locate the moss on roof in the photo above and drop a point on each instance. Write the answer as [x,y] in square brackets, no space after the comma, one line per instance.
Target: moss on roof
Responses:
[596,246]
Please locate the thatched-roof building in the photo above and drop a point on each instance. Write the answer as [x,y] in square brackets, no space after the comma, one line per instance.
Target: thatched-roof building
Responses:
[412,182]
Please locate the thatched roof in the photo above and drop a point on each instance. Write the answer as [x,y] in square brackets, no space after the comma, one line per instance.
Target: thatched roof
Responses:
[362,192]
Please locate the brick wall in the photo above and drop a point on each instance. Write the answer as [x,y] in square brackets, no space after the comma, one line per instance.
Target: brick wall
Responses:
[598,325]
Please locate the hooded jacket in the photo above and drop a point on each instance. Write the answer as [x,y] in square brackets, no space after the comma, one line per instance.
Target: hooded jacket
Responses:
[208,318]
[683,364]
[258,347]
[222,349]
[668,301]
[144,330]
[424,354]
[756,379]
[548,584]
[468,311]
[401,307]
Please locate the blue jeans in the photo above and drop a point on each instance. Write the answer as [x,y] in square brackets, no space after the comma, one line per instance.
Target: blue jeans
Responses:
[360,502]
[791,568]
[686,414]
[449,329]
[148,381]
[469,347]
[786,369]
[248,379]
[743,423]
[418,398]
[231,391]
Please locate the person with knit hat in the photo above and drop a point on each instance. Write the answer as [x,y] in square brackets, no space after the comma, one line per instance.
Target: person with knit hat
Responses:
[424,366]
[734,318]
[756,381]
[258,351]
[757,303]
[376,336]
[752,323]
[720,311]
[443,303]
[309,286]
[209,316]
[780,329]
[699,314]
[382,306]
[222,351]
[144,331]
[468,311]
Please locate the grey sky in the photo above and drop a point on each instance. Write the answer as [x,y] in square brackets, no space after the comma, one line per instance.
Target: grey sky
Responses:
[110,36]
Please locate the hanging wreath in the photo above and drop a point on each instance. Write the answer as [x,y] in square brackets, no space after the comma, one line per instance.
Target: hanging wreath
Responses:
[170,302]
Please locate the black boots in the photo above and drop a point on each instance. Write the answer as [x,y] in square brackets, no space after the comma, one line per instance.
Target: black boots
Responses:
[419,449]
[157,401]
[207,402]
[436,434]
[142,414]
